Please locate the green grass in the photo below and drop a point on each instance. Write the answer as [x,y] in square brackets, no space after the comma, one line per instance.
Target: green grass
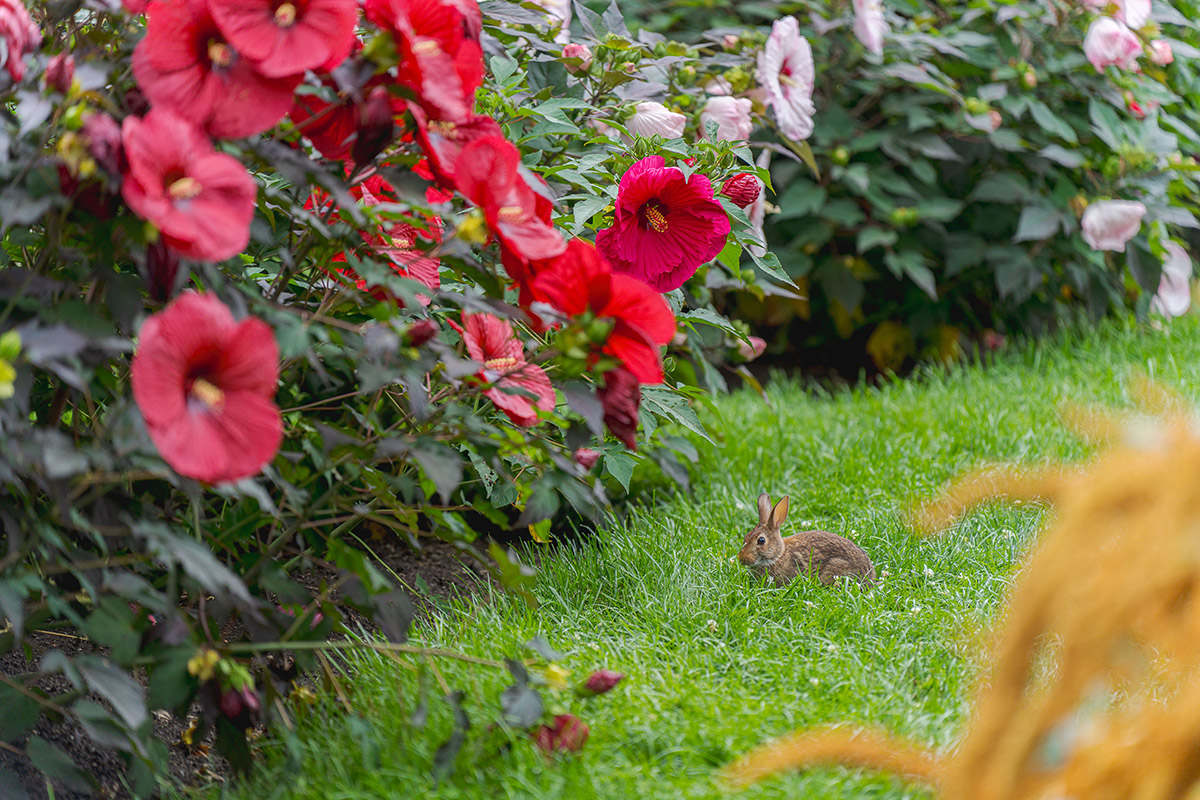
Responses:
[718,663]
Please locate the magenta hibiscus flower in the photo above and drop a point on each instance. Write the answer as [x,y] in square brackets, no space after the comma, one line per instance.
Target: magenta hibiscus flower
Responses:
[289,37]
[200,200]
[491,341]
[205,386]
[666,226]
[186,64]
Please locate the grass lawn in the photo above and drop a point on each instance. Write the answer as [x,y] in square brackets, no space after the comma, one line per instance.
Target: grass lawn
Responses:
[718,663]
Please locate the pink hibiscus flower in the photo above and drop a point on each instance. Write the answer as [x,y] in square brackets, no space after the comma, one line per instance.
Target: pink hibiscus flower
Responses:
[490,341]
[666,226]
[205,386]
[787,75]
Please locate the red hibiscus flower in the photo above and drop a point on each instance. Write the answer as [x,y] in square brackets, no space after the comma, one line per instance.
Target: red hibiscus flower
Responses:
[288,37]
[400,241]
[200,200]
[186,64]
[440,63]
[580,284]
[488,175]
[491,341]
[205,386]
[665,227]
[620,397]
[443,141]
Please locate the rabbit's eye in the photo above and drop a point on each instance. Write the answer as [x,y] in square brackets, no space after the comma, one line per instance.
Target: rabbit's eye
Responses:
[762,540]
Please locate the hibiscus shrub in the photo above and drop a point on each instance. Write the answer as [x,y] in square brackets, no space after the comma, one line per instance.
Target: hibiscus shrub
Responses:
[1003,166]
[279,275]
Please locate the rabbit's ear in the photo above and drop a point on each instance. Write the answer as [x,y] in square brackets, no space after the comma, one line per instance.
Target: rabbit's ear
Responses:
[779,513]
[764,508]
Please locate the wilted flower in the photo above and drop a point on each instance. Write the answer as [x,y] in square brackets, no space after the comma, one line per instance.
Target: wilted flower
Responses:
[200,200]
[742,189]
[580,283]
[205,386]
[581,52]
[1161,53]
[601,681]
[19,35]
[443,141]
[289,37]
[732,115]
[102,138]
[586,457]
[1174,295]
[787,75]
[240,706]
[567,733]
[186,64]
[1110,42]
[665,225]
[869,24]
[375,127]
[621,396]
[420,332]
[161,271]
[753,349]
[655,119]
[1109,224]
[60,73]
[491,341]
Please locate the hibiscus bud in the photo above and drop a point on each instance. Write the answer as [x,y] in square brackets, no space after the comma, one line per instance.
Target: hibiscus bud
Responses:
[375,126]
[753,349]
[743,189]
[1109,42]
[586,457]
[1029,78]
[997,119]
[1136,110]
[102,137]
[620,397]
[582,52]
[240,706]
[730,42]
[601,681]
[1110,224]
[567,733]
[1161,53]
[60,73]
[420,332]
[732,116]
[161,272]
[992,340]
[655,119]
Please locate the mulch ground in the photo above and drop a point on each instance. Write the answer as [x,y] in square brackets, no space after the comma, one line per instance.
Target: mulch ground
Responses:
[439,571]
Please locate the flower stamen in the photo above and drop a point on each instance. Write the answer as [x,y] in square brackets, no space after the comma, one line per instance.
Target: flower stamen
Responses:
[657,220]
[220,54]
[500,364]
[426,47]
[285,15]
[511,213]
[185,188]
[208,394]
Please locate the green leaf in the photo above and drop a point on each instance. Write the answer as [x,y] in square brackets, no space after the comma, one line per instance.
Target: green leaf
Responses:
[10,786]
[441,464]
[869,238]
[1061,155]
[522,705]
[586,209]
[20,713]
[803,197]
[1105,122]
[672,406]
[910,263]
[939,209]
[1050,122]
[117,687]
[731,254]
[1002,187]
[769,263]
[1036,223]
[56,764]
[707,316]
[620,465]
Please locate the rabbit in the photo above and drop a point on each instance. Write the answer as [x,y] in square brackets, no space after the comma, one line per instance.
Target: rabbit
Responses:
[821,553]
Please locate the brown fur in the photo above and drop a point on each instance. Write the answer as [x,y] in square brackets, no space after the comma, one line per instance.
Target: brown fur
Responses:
[819,553]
